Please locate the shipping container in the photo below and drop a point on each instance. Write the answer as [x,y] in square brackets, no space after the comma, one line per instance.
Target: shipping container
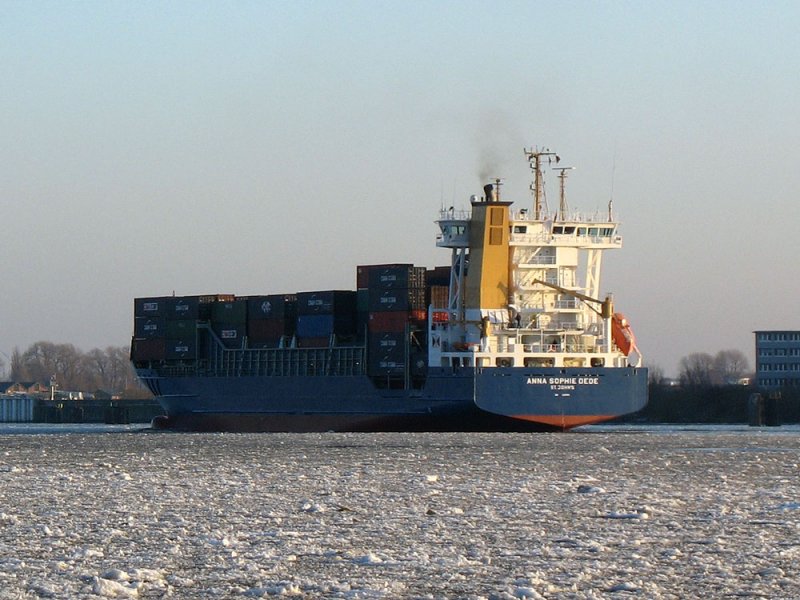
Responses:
[363,273]
[402,299]
[439,296]
[396,321]
[312,326]
[396,276]
[275,306]
[149,307]
[268,330]
[182,308]
[387,344]
[214,298]
[181,330]
[149,349]
[386,354]
[362,300]
[230,334]
[438,276]
[149,327]
[233,312]
[326,302]
[181,349]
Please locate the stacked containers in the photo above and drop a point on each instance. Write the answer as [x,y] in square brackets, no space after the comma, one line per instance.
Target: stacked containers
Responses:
[270,319]
[396,309]
[396,298]
[181,314]
[149,329]
[165,327]
[229,321]
[438,276]
[438,293]
[321,315]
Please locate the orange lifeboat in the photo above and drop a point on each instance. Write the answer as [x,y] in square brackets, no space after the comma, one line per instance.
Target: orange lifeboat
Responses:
[622,334]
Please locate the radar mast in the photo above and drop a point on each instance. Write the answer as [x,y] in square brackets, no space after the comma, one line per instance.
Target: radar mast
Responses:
[535,159]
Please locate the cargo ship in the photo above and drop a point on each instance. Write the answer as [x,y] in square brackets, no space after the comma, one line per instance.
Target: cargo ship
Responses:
[512,335]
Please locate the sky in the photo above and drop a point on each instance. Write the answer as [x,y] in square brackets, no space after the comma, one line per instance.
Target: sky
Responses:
[271,147]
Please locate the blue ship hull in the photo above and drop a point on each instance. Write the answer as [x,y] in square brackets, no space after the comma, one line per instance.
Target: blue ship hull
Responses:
[490,399]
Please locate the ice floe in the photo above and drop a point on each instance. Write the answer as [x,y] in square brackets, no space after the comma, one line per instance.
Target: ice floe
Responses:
[650,514]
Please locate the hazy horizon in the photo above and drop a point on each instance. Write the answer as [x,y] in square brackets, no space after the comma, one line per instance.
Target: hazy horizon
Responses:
[255,148]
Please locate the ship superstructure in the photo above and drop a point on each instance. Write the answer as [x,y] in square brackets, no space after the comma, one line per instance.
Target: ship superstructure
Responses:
[525,286]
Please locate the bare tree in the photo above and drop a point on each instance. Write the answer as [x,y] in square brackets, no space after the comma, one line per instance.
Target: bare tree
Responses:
[121,374]
[108,369]
[70,366]
[39,361]
[655,375]
[18,370]
[96,364]
[696,370]
[730,366]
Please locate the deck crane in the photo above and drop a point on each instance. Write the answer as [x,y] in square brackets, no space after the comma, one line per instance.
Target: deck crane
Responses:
[621,331]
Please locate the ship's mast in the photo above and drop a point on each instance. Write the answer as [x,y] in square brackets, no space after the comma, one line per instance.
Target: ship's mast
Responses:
[535,157]
[562,200]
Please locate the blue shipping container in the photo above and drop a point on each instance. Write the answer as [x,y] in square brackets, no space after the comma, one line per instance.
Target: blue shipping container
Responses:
[182,308]
[326,303]
[314,326]
[149,307]
[148,328]
[276,306]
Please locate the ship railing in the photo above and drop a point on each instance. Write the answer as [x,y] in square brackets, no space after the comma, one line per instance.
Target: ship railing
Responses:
[533,239]
[537,260]
[283,362]
[575,216]
[566,304]
[569,348]
[180,370]
[288,362]
[452,214]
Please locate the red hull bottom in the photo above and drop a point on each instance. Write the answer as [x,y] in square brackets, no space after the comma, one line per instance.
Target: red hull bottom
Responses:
[253,423]
[564,422]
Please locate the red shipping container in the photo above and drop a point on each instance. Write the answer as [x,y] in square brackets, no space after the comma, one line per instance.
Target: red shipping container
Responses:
[152,349]
[396,321]
[266,330]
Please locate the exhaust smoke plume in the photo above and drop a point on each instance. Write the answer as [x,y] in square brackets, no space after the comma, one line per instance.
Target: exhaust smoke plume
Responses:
[500,143]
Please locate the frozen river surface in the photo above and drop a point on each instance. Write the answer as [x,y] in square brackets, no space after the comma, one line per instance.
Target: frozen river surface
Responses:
[601,513]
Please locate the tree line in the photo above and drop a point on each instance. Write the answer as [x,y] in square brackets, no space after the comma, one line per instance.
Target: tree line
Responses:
[710,390]
[700,370]
[108,369]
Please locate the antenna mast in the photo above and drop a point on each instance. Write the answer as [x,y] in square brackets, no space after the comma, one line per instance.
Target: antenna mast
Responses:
[535,160]
[562,205]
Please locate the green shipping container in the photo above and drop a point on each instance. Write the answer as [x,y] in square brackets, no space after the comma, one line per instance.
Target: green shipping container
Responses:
[233,312]
[362,300]
[183,329]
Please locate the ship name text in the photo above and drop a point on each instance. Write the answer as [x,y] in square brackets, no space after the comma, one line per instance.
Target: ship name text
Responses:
[563,381]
